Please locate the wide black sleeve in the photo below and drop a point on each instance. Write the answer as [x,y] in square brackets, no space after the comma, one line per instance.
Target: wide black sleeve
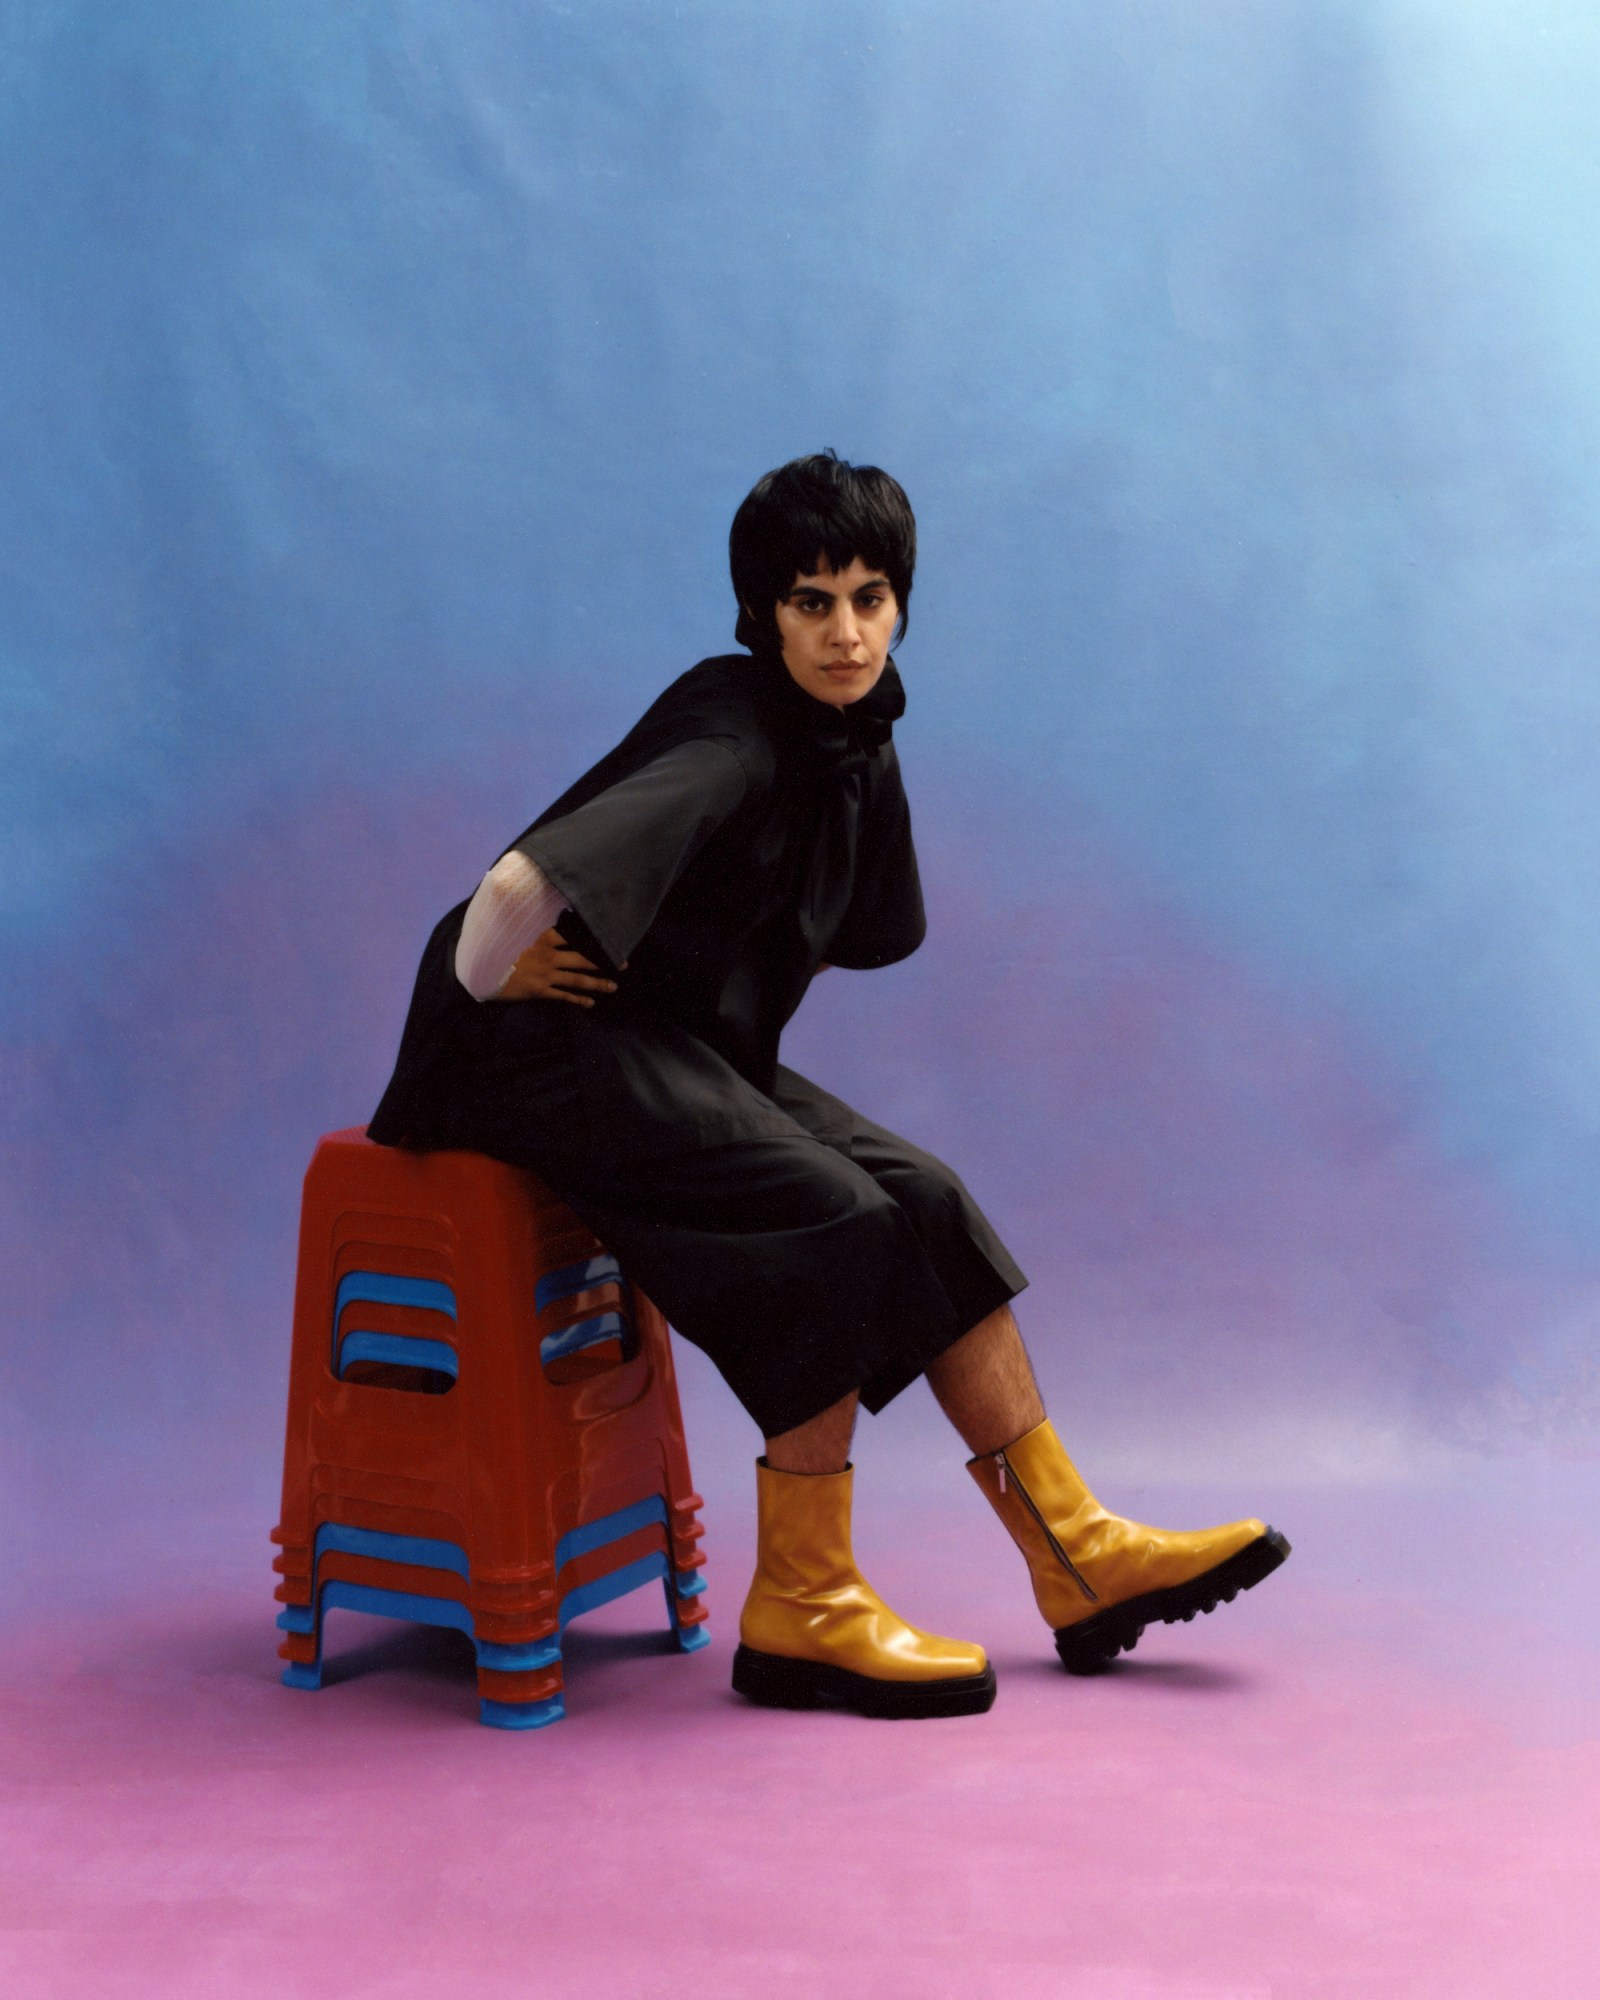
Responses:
[616,856]
[885,920]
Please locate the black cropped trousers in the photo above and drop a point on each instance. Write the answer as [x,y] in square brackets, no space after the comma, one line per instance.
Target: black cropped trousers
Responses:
[808,1251]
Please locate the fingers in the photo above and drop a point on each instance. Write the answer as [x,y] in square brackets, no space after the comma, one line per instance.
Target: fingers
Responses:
[582,981]
[553,970]
[573,969]
[527,984]
[562,984]
[561,953]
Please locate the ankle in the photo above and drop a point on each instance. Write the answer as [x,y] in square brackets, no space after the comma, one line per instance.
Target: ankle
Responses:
[986,1443]
[804,1463]
[819,1446]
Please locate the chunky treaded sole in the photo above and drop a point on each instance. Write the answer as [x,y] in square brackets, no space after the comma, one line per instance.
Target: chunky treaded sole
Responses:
[1095,1642]
[776,1682]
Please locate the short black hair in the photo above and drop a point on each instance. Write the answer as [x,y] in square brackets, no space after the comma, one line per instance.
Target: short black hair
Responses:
[811,507]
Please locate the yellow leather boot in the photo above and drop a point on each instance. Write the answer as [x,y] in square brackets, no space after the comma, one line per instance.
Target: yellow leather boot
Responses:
[1098,1579]
[815,1634]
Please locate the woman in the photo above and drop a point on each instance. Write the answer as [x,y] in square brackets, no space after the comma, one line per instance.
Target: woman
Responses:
[606,1010]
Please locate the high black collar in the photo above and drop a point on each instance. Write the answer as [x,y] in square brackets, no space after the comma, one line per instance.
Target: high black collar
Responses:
[841,739]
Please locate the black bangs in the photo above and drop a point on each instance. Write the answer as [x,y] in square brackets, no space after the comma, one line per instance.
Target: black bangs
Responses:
[817,512]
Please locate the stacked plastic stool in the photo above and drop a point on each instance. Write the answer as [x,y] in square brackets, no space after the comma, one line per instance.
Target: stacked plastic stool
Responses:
[484,1428]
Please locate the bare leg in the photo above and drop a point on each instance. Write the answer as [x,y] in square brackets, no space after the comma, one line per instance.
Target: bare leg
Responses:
[985,1385]
[822,1445]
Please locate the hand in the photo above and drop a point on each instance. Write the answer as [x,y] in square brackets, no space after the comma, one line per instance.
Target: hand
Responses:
[551,970]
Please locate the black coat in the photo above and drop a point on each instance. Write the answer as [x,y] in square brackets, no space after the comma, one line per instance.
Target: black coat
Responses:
[740,835]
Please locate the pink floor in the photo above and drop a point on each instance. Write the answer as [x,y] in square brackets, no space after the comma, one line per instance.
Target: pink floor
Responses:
[1378,1774]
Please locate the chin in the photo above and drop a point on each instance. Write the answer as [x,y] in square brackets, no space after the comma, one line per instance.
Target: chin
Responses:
[841,694]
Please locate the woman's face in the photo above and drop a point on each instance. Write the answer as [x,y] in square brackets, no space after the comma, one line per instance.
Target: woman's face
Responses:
[835,627]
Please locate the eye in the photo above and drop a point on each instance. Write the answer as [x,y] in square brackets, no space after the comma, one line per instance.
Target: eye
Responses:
[869,600]
[812,604]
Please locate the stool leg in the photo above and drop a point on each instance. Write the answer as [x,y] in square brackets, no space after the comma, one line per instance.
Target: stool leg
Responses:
[686,1610]
[301,1647]
[520,1701]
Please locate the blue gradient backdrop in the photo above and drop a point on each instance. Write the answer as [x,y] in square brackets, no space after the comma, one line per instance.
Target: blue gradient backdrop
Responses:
[379,383]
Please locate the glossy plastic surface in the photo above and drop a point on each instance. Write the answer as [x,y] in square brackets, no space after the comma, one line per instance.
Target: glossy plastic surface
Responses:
[552,1476]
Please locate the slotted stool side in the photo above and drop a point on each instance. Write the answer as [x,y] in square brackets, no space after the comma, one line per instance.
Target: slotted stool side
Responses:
[483,1423]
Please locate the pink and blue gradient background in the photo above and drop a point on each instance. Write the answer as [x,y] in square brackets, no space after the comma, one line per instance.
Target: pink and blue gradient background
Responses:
[379,386]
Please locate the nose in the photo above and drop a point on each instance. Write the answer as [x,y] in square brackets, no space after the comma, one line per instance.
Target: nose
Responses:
[846,633]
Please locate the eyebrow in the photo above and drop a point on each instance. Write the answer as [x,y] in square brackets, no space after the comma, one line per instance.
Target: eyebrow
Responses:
[816,589]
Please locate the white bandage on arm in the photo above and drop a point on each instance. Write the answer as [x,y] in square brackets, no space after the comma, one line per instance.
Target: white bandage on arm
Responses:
[511,907]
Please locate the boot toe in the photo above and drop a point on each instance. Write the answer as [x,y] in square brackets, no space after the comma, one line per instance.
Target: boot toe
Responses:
[883,1645]
[1092,1643]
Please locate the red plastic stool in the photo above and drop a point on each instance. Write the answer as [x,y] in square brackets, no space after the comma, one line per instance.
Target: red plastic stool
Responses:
[483,1429]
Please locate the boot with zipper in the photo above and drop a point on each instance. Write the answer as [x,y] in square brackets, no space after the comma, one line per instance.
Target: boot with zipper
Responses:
[815,1634]
[1098,1579]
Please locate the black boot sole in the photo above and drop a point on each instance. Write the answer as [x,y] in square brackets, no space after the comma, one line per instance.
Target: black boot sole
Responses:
[776,1682]
[1094,1643]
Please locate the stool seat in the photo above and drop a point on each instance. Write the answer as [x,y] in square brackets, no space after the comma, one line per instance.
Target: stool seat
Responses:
[483,1425]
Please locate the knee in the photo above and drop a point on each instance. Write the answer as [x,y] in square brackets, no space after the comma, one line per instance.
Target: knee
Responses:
[928,1191]
[859,1199]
